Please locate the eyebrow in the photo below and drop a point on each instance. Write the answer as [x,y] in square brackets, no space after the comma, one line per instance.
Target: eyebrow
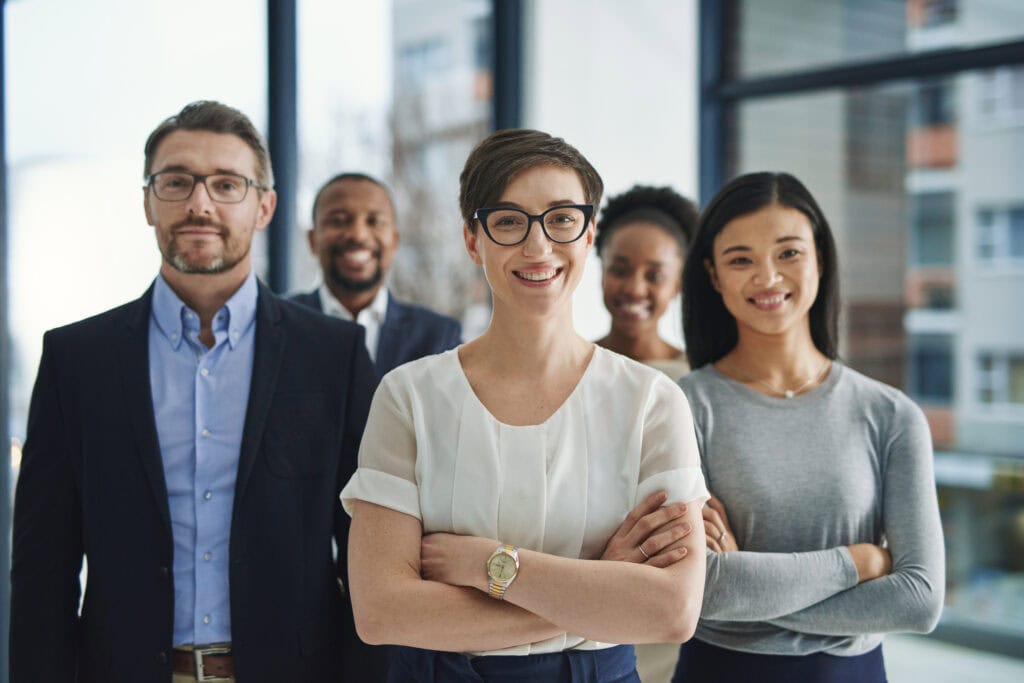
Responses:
[180,168]
[741,247]
[551,205]
[649,262]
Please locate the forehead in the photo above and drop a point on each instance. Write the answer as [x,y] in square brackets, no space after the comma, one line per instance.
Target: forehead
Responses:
[354,195]
[762,228]
[644,239]
[202,151]
[541,185]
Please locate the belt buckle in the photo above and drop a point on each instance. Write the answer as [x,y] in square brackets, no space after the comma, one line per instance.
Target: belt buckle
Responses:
[199,653]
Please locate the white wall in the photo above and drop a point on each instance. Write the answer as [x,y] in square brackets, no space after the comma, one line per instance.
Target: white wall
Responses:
[618,80]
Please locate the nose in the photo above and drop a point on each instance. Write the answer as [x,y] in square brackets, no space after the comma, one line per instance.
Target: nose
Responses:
[635,285]
[767,274]
[199,201]
[536,242]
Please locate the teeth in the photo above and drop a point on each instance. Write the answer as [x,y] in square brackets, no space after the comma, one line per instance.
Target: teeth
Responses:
[358,256]
[639,309]
[538,276]
[770,300]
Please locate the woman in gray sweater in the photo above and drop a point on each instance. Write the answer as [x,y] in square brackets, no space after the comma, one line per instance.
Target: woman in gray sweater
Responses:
[823,529]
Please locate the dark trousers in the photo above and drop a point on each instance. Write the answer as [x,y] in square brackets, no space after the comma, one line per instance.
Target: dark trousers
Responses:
[612,665]
[701,662]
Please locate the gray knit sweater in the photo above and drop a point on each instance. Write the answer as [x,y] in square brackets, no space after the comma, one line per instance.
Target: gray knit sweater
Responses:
[848,462]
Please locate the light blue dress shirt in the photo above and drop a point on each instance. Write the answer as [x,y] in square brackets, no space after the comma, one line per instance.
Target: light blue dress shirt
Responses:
[199,400]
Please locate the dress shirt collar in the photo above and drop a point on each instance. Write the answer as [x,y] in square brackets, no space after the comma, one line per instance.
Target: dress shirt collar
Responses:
[376,311]
[174,319]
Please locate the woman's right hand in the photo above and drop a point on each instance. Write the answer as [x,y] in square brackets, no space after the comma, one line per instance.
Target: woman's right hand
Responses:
[872,561]
[650,534]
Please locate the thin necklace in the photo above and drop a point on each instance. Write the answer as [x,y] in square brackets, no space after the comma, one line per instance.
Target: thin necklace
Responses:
[790,393]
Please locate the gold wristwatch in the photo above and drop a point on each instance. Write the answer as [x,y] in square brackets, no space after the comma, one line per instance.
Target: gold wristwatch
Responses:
[502,569]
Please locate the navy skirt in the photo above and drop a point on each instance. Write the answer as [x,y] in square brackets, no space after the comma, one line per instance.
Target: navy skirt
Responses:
[701,662]
[612,665]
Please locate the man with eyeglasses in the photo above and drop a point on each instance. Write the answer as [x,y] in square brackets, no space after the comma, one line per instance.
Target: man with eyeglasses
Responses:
[191,446]
[354,238]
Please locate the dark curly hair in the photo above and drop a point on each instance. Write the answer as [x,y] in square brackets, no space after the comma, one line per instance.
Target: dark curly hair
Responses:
[663,206]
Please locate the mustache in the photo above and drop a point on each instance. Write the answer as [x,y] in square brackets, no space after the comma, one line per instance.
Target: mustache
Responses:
[199,222]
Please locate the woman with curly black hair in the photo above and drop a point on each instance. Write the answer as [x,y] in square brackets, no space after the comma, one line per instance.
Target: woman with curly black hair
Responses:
[642,239]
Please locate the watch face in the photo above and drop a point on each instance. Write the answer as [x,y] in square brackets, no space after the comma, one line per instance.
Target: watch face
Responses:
[502,567]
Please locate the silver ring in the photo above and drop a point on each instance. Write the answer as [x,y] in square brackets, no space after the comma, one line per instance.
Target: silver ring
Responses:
[641,549]
[721,537]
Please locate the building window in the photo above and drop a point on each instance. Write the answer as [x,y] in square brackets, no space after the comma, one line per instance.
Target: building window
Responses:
[1000,378]
[999,236]
[938,12]
[931,368]
[931,228]
[1001,95]
[933,104]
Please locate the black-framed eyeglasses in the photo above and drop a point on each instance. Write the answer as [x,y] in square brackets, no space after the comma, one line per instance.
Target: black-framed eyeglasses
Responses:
[225,188]
[561,224]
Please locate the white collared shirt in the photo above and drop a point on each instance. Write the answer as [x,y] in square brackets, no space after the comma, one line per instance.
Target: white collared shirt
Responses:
[371,317]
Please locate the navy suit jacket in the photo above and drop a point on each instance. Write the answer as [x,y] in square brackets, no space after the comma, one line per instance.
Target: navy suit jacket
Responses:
[409,331]
[92,483]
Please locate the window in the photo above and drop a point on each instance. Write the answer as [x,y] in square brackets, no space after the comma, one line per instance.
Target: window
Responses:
[934,103]
[999,236]
[1000,378]
[931,368]
[932,228]
[938,12]
[1001,96]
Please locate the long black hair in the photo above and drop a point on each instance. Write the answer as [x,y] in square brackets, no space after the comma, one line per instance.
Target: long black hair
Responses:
[708,326]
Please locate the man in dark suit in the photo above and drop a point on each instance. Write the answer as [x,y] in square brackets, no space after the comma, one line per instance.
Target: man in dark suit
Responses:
[354,238]
[191,446]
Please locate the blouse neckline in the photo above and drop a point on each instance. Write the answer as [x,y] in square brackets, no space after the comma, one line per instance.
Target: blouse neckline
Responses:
[568,399]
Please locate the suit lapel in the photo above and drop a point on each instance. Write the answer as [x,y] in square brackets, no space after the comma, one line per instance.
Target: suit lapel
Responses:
[391,335]
[268,355]
[134,363]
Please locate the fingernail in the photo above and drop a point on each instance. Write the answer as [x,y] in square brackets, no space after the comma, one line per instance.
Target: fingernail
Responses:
[686,527]
[683,551]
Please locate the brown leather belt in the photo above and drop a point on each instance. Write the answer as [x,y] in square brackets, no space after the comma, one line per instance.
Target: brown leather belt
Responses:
[204,663]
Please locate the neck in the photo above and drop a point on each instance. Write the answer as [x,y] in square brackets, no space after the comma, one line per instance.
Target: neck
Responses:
[532,346]
[205,294]
[644,346]
[354,302]
[781,360]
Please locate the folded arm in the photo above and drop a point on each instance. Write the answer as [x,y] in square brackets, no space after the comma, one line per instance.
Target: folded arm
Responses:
[910,597]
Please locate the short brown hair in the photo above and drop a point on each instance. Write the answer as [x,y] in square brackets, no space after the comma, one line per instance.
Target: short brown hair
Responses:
[506,153]
[217,118]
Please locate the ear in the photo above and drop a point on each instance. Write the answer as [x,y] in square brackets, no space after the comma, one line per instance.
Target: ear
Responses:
[470,238]
[145,205]
[265,209]
[710,267]
[590,233]
[821,269]
[311,239]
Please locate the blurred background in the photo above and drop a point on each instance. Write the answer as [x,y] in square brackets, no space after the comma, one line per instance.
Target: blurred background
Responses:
[905,118]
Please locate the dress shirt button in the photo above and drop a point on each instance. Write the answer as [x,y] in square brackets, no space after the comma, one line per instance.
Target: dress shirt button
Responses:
[206,619]
[205,432]
[204,372]
[162,657]
[165,571]
[207,495]
[207,556]
[189,316]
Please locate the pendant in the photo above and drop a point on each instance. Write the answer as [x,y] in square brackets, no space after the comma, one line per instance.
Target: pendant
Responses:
[790,393]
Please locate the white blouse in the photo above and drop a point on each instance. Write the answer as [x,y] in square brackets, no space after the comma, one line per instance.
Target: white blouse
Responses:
[433,451]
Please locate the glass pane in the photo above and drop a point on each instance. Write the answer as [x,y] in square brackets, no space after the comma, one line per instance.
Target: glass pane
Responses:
[905,187]
[767,38]
[441,109]
[86,84]
[1017,233]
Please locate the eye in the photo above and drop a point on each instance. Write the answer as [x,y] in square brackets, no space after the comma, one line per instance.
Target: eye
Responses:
[656,277]
[617,271]
[739,261]
[789,254]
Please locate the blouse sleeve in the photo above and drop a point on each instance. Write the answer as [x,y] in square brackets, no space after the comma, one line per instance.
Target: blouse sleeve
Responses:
[669,459]
[909,598]
[387,454]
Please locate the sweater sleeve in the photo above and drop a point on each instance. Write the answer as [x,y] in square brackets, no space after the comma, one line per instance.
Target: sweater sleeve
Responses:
[786,582]
[910,597]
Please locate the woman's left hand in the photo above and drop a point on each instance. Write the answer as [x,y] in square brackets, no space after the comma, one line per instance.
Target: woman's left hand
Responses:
[717,531]
[456,560]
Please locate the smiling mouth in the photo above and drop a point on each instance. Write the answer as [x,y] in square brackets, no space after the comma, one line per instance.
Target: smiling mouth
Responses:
[538,276]
[638,310]
[770,302]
